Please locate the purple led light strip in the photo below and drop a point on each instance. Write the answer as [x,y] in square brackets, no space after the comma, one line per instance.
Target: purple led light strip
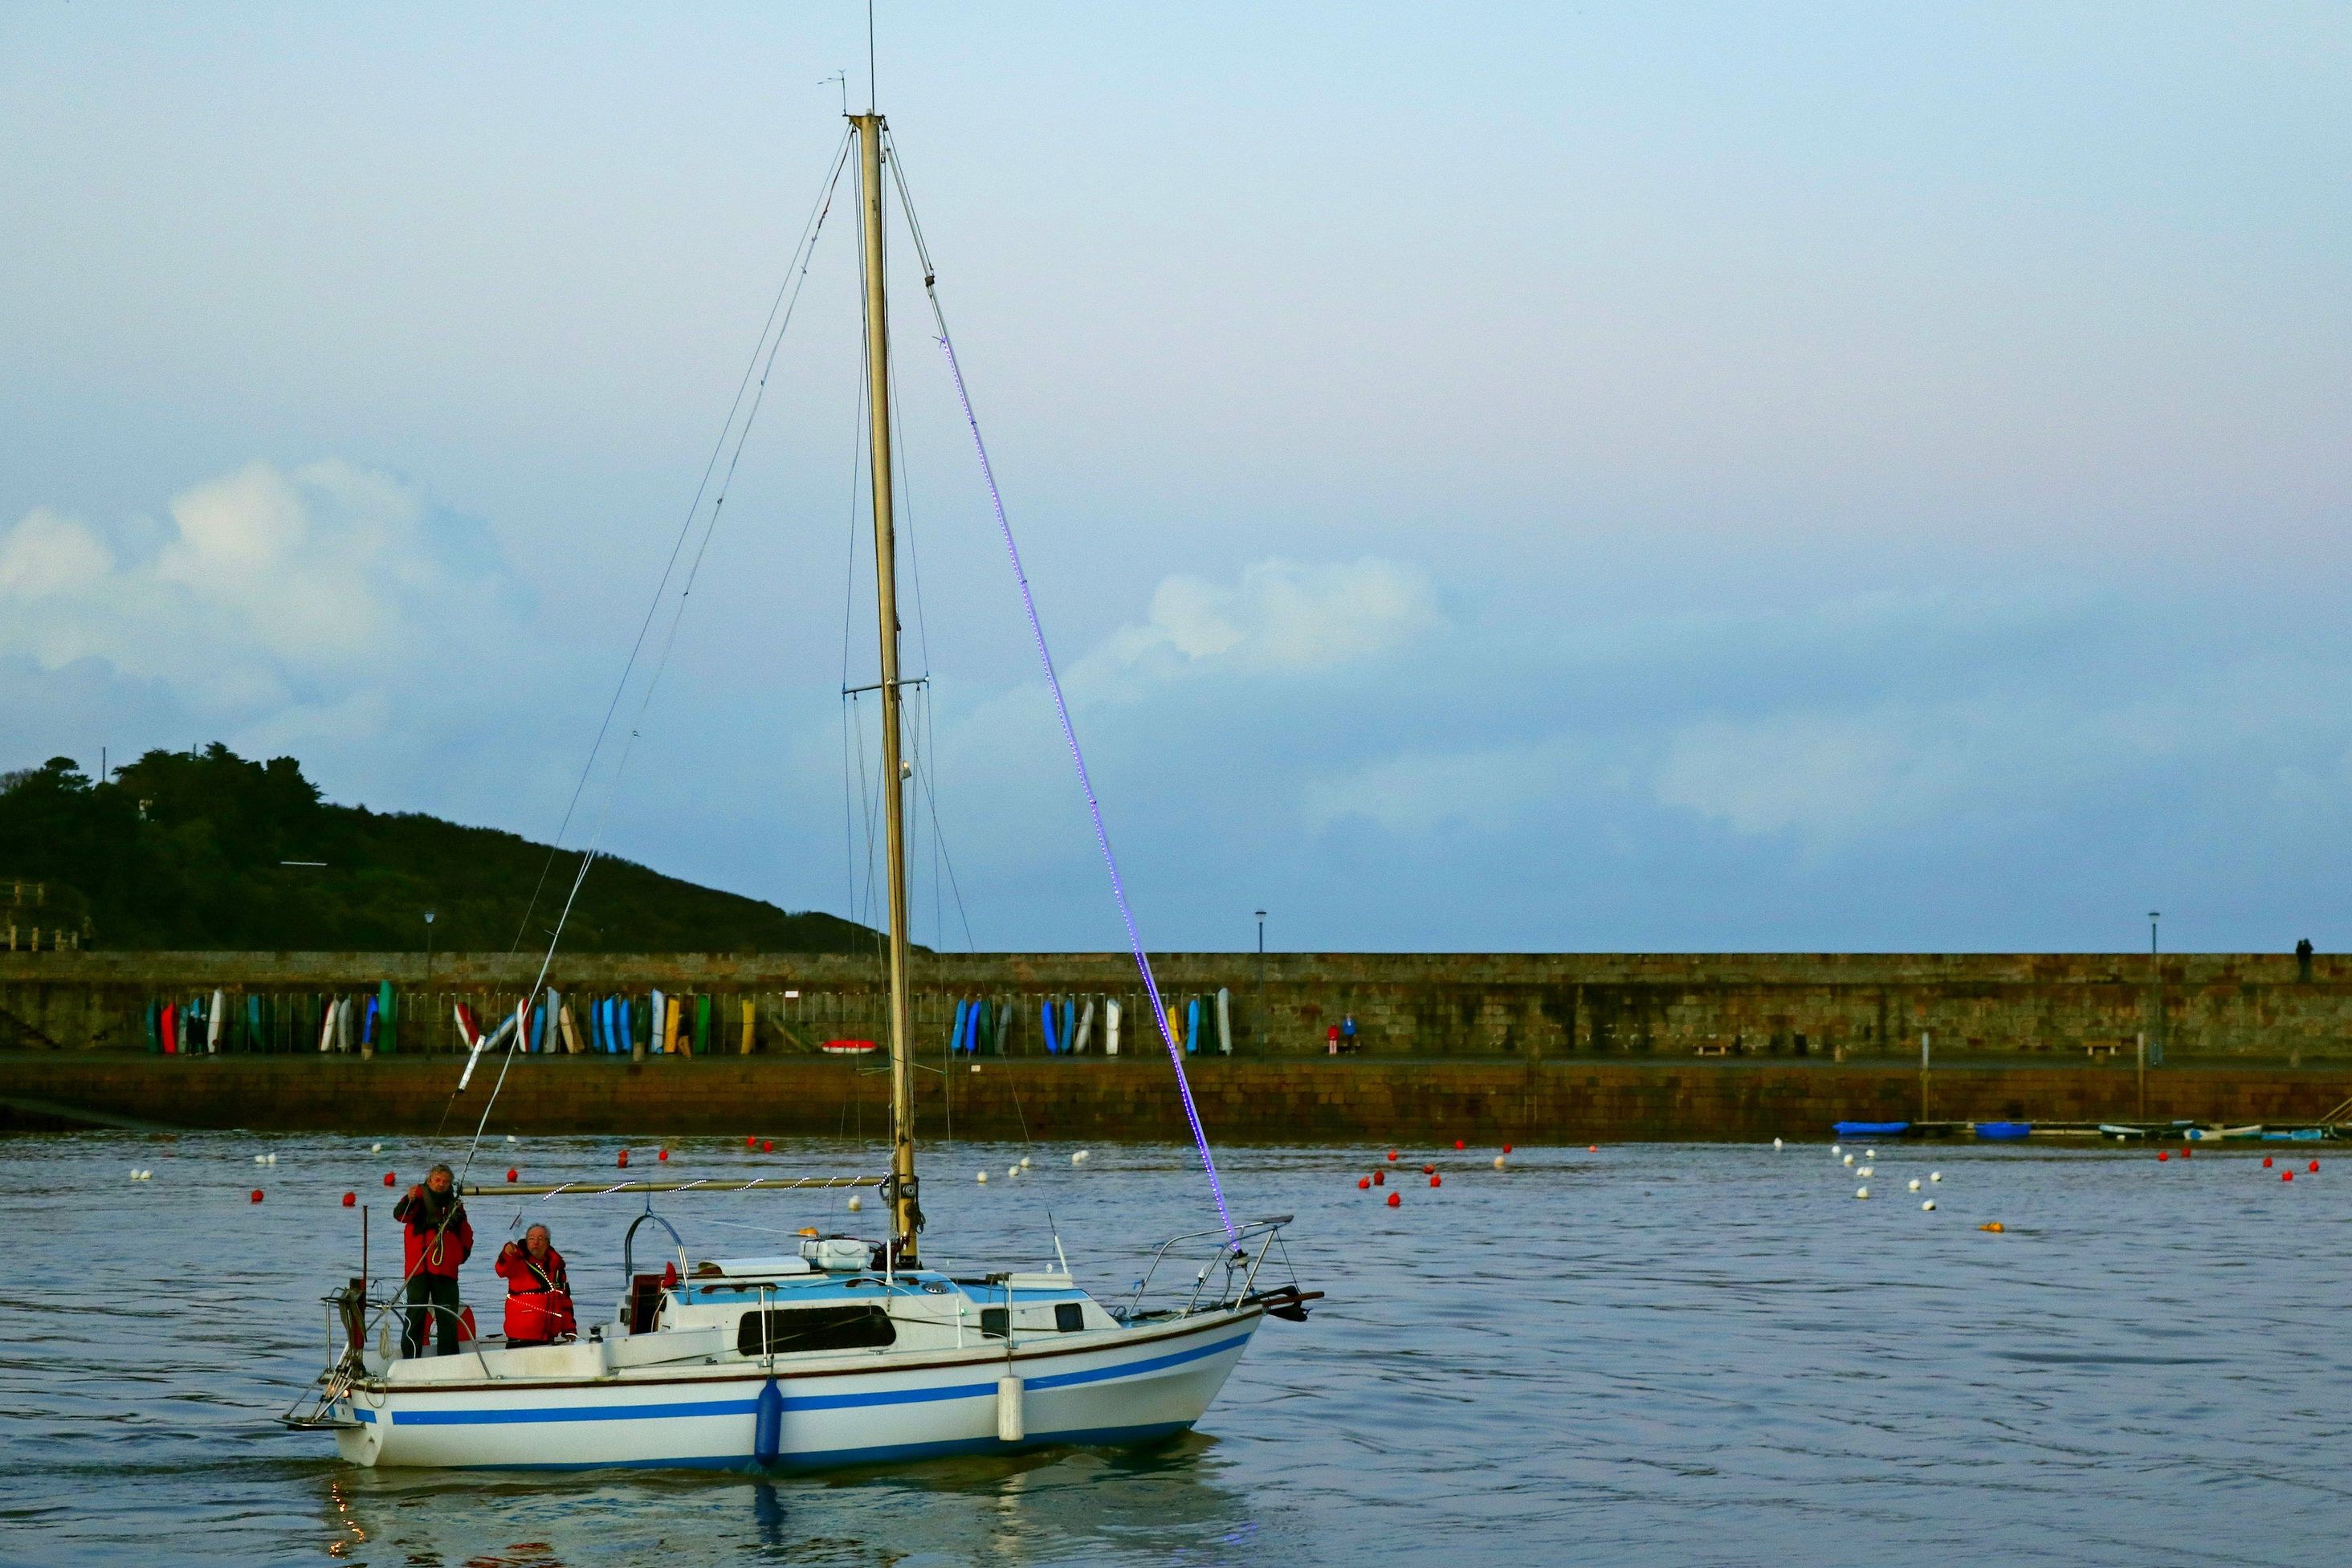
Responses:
[1086,783]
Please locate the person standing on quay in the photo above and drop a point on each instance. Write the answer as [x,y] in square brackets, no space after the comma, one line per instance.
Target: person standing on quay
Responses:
[436,1239]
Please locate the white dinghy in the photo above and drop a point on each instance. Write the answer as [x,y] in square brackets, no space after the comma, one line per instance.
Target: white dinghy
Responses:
[848,1351]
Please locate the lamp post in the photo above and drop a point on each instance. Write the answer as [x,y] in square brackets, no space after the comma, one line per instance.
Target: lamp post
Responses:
[1261,982]
[428,979]
[2156,985]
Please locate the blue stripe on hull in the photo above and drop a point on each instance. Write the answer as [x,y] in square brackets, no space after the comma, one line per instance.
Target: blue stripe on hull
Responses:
[690,1408]
[844,1458]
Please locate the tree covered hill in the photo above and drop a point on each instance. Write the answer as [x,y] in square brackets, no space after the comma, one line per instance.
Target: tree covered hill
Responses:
[184,851]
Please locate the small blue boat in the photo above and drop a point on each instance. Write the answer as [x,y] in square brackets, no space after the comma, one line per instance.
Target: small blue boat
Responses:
[2004,1129]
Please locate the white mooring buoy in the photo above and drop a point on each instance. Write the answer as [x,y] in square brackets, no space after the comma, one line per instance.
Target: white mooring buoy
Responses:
[1914,1183]
[1861,1192]
[1935,1176]
[856,1203]
[1776,1142]
[1836,1149]
[1081,1156]
[1849,1159]
[983,1176]
[1929,1205]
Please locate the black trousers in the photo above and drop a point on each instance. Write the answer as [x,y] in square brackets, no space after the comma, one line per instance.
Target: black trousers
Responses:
[432,1315]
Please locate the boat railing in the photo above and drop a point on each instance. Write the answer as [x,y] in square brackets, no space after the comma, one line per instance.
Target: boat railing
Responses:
[1231,1261]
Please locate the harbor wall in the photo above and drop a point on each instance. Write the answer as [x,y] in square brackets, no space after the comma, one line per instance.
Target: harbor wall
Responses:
[2195,1008]
[1303,1100]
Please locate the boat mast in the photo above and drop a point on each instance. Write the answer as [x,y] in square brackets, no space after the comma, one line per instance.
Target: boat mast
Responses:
[905,1215]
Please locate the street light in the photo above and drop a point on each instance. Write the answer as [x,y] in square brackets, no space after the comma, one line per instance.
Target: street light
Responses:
[2156,984]
[1261,982]
[428,979]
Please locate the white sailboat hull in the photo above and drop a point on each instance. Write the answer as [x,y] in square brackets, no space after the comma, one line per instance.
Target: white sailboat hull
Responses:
[1121,1387]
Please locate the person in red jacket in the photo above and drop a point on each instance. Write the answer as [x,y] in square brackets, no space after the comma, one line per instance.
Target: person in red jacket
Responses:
[437,1239]
[539,1293]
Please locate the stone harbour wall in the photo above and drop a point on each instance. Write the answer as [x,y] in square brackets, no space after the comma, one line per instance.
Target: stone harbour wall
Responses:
[2195,1008]
[1271,1101]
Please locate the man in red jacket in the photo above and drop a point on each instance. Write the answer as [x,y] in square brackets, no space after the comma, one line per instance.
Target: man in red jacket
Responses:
[437,1239]
[539,1293]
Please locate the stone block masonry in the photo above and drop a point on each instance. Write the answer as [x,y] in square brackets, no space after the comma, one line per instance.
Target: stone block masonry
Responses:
[2196,1009]
[1374,1102]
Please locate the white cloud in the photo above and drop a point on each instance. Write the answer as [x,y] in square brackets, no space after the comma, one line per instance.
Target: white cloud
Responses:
[297,599]
[1280,617]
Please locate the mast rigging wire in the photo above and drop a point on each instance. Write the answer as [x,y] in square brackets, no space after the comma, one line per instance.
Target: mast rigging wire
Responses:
[1061,706]
[796,279]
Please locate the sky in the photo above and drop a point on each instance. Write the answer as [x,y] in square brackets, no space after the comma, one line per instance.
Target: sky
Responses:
[1547,478]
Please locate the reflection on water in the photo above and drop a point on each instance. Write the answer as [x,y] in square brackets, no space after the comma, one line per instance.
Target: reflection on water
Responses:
[1646,1355]
[1164,1505]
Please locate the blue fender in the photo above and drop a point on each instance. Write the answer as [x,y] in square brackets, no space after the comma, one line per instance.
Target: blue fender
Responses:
[767,1424]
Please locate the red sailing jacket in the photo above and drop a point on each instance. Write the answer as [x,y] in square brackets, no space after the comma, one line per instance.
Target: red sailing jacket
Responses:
[427,1248]
[538,1295]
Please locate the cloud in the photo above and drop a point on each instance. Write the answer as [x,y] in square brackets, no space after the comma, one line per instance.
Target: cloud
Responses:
[327,603]
[264,590]
[1279,617]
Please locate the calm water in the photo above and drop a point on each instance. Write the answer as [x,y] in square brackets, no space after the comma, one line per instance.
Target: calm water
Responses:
[1648,1355]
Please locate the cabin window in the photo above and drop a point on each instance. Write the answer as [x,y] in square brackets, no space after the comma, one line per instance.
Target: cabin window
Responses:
[1069,1317]
[782,1331]
[996,1320]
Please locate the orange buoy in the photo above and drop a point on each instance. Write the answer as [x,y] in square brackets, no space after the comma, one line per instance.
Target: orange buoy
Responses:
[1995,1226]
[1364,1184]
[257,1191]
[388,1181]
[1394,1200]
[624,1156]
[1592,1148]
[512,1175]
[350,1199]
[1437,1181]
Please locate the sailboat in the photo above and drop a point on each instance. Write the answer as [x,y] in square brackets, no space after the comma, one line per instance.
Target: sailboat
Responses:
[843,1351]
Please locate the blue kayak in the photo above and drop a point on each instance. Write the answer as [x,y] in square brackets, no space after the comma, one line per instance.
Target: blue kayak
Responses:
[2003,1129]
[1870,1129]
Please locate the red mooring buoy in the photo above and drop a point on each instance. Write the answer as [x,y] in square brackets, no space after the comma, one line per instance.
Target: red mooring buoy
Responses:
[2266,1162]
[350,1199]
[2284,1176]
[1364,1184]
[2314,1167]
[257,1191]
[1391,1153]
[1394,1200]
[664,1156]
[1506,1149]
[512,1175]
[387,1180]
[1437,1181]
[1379,1178]
[624,1156]
[1458,1144]
[767,1145]
[2162,1155]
